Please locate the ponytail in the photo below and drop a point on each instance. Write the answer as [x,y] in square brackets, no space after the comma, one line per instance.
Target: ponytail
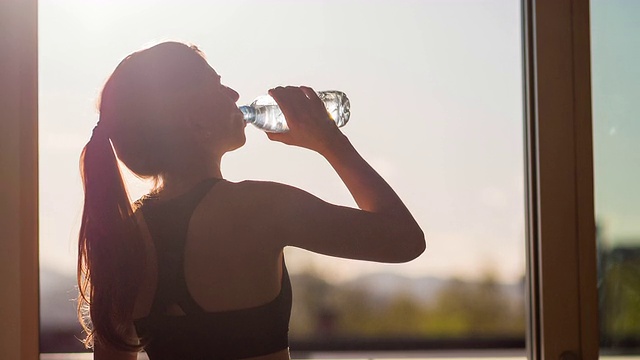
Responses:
[110,260]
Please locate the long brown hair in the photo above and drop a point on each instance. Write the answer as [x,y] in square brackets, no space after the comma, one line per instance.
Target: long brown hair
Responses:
[110,263]
[142,107]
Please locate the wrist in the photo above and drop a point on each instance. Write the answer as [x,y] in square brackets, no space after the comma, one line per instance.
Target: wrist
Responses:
[336,146]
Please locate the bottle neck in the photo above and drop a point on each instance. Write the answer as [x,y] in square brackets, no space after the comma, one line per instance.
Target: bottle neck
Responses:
[249,113]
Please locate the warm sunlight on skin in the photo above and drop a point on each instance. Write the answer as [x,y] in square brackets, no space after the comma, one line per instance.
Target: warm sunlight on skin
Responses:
[435,89]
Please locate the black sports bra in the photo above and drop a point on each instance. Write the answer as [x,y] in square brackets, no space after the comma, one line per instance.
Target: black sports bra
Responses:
[199,334]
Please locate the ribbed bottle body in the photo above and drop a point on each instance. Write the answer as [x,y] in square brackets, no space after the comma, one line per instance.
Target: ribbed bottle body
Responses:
[265,113]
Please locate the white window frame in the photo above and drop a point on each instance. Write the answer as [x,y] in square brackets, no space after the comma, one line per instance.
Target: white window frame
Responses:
[561,255]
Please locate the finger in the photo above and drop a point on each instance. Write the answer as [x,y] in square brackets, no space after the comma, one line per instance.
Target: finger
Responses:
[299,99]
[279,137]
[272,136]
[288,98]
[315,101]
[282,97]
[292,102]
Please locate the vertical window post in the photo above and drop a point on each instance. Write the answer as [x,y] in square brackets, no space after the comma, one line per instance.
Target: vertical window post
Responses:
[562,265]
[18,180]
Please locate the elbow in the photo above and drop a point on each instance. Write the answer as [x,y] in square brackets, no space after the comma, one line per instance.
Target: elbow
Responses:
[418,245]
[413,245]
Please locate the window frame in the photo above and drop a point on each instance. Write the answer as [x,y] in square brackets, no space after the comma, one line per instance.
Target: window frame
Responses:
[562,292]
[19,179]
[563,300]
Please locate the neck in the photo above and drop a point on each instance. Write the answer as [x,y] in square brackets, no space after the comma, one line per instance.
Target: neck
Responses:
[180,180]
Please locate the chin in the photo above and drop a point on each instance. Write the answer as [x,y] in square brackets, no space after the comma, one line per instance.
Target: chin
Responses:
[238,144]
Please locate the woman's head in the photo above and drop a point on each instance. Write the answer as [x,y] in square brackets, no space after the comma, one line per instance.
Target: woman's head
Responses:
[165,104]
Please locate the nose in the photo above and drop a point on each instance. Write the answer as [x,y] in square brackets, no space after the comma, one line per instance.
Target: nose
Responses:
[233,94]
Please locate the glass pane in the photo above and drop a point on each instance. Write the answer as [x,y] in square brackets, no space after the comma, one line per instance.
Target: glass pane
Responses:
[436,107]
[616,126]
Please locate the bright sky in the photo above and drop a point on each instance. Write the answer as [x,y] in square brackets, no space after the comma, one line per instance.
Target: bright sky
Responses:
[435,88]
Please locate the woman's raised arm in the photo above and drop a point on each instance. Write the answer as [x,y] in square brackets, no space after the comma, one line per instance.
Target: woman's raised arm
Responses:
[382,230]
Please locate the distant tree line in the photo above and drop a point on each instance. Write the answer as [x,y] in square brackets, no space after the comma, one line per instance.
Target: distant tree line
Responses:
[459,309]
[619,292]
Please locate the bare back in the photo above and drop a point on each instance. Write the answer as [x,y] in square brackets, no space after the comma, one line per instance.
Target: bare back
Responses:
[228,265]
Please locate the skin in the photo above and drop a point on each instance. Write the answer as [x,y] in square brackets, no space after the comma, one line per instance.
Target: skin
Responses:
[220,236]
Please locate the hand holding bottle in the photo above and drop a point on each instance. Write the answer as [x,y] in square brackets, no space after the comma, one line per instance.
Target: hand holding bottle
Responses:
[310,125]
[265,114]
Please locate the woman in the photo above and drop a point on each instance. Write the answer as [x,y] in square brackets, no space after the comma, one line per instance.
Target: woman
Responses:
[195,269]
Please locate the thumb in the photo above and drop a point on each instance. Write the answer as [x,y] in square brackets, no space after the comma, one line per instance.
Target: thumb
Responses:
[280,137]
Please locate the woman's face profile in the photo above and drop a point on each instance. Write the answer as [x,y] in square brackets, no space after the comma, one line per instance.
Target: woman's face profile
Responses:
[227,122]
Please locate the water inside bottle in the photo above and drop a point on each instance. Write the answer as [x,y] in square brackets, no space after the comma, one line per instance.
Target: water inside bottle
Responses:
[337,105]
[268,116]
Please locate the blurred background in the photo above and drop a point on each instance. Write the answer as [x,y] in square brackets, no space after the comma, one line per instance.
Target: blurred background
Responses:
[436,92]
[436,97]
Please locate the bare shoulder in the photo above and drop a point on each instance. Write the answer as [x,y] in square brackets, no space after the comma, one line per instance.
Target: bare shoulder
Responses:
[261,201]
[256,186]
[261,193]
[256,214]
[271,206]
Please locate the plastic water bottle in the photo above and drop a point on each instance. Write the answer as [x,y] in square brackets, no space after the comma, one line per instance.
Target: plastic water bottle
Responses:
[265,113]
